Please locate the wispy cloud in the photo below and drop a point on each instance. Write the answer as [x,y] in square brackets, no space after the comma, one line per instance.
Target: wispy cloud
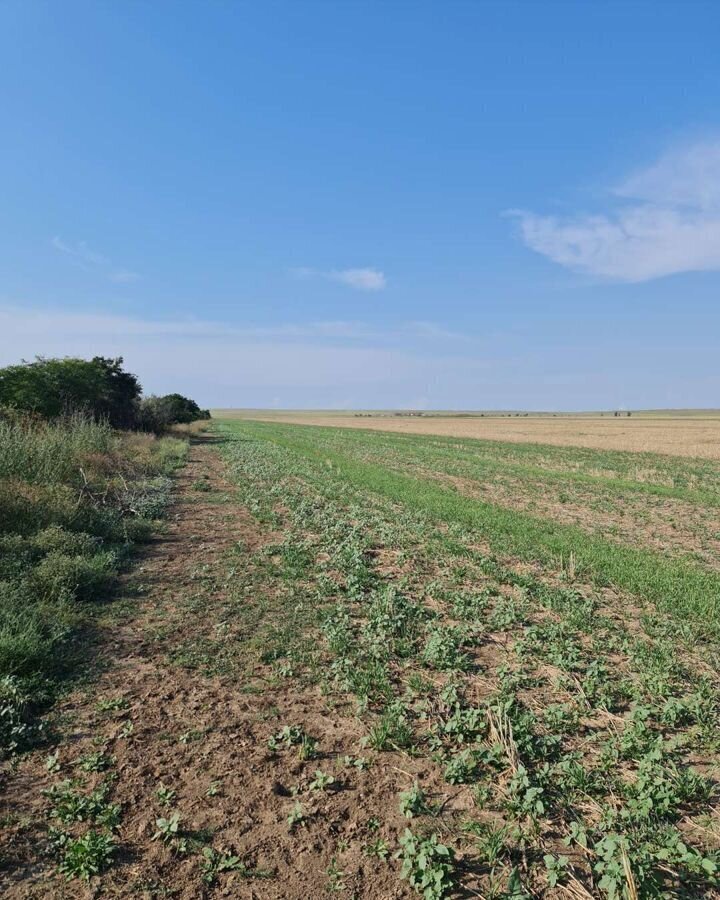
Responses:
[81,255]
[89,323]
[79,252]
[337,364]
[665,220]
[363,279]
[124,276]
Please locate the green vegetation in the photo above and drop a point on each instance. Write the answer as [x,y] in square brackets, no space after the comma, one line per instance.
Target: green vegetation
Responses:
[677,585]
[582,722]
[99,389]
[432,691]
[159,413]
[74,498]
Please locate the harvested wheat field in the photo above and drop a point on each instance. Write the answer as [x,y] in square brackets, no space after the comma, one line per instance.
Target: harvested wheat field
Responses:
[681,435]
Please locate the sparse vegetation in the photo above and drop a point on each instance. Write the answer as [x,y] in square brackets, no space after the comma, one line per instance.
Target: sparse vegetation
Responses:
[430,694]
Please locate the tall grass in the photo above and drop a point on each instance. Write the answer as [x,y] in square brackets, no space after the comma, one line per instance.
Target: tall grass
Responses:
[74,496]
[39,452]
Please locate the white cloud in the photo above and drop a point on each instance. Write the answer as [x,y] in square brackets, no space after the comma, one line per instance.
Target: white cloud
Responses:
[366,279]
[79,251]
[362,279]
[669,223]
[81,255]
[124,276]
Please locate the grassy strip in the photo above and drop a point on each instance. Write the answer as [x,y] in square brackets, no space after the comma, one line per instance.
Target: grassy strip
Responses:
[75,496]
[482,465]
[482,457]
[675,586]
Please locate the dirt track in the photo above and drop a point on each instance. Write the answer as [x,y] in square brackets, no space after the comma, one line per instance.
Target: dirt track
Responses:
[202,736]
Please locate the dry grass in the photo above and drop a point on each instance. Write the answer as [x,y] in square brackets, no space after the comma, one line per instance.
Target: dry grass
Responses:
[678,436]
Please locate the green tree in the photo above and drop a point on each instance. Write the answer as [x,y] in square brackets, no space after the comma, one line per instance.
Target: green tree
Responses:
[158,413]
[53,387]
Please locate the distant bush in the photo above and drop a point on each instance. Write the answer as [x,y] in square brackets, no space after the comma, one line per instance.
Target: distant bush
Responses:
[159,413]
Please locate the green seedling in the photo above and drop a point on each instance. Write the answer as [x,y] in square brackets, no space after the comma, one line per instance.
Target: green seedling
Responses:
[86,856]
[413,802]
[296,816]
[322,781]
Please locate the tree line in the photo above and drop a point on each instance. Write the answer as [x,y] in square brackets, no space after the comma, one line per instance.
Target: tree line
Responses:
[99,388]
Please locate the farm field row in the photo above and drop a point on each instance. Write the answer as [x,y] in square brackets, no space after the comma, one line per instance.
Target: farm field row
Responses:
[681,435]
[348,670]
[527,704]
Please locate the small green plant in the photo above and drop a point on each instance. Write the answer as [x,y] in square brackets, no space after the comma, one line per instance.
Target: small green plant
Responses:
[556,868]
[427,865]
[293,735]
[322,781]
[214,862]
[296,816]
[95,762]
[359,762]
[70,805]
[459,769]
[127,729]
[335,876]
[165,795]
[443,650]
[214,788]
[111,704]
[413,802]
[167,828]
[85,856]
[378,848]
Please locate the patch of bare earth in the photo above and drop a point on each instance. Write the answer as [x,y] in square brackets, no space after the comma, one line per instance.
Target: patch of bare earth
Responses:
[204,738]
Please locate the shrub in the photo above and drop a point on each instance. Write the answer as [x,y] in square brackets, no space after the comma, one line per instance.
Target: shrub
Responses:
[52,387]
[159,413]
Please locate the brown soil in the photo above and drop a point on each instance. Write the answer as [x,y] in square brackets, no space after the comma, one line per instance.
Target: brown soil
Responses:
[681,436]
[190,730]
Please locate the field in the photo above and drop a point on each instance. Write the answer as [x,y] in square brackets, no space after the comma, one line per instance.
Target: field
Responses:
[692,433]
[371,664]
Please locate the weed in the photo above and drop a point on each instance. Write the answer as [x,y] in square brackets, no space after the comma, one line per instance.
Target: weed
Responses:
[297,815]
[392,731]
[322,781]
[378,848]
[413,802]
[167,828]
[85,856]
[427,865]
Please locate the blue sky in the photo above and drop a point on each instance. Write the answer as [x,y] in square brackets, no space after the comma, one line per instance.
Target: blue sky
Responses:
[376,204]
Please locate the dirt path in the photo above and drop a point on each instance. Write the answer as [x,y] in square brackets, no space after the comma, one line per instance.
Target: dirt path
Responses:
[177,721]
